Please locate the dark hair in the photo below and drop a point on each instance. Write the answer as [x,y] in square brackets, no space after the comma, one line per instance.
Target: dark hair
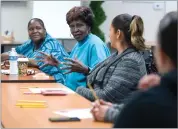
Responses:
[80,13]
[38,20]
[167,35]
[132,27]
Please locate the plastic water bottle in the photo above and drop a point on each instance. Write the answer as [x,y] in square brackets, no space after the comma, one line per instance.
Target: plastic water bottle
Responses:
[13,61]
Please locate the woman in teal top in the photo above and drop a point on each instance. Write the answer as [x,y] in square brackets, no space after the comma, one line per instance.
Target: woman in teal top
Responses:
[40,40]
[86,54]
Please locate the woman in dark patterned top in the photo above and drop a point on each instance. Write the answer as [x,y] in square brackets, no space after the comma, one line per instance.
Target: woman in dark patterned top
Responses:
[117,76]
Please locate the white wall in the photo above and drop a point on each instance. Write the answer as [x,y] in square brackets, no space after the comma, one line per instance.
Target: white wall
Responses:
[145,9]
[53,14]
[15,16]
[171,6]
[150,16]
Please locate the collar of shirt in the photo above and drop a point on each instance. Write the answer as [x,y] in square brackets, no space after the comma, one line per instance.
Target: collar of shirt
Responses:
[85,39]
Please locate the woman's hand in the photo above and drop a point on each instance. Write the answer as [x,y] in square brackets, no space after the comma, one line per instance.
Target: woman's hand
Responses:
[47,59]
[74,66]
[148,81]
[99,109]
[102,102]
[32,63]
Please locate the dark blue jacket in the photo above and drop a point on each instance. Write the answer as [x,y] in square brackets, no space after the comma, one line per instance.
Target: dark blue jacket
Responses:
[156,107]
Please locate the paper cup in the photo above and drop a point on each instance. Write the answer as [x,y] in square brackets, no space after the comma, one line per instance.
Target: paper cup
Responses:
[22,66]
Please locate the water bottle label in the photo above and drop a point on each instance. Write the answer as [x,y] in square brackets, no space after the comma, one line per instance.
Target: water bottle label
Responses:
[13,58]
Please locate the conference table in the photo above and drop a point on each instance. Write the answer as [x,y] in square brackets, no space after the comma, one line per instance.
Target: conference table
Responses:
[16,117]
[12,90]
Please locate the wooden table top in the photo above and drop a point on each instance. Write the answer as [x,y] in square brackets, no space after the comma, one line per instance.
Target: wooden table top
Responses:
[25,79]
[15,117]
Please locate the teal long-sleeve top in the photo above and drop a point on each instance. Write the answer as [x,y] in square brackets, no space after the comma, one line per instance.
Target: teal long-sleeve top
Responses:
[90,51]
[49,46]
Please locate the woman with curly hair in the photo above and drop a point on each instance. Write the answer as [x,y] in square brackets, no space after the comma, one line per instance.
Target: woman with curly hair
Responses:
[86,54]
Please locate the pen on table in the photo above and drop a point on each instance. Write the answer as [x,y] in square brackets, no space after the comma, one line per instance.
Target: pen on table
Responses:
[27,87]
[31,101]
[31,104]
[28,93]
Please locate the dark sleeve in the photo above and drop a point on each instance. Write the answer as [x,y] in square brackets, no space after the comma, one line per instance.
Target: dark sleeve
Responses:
[143,113]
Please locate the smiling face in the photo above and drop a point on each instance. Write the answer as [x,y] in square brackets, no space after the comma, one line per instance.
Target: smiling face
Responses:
[79,29]
[36,31]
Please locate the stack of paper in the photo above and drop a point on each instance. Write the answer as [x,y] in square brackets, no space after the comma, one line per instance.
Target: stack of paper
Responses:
[38,90]
[35,90]
[41,76]
[5,71]
[80,113]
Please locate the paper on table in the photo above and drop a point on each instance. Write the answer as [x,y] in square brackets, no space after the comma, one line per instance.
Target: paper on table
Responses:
[80,113]
[38,90]
[35,90]
[3,71]
[69,91]
[41,76]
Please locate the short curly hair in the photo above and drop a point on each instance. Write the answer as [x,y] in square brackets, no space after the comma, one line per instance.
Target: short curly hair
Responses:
[80,13]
